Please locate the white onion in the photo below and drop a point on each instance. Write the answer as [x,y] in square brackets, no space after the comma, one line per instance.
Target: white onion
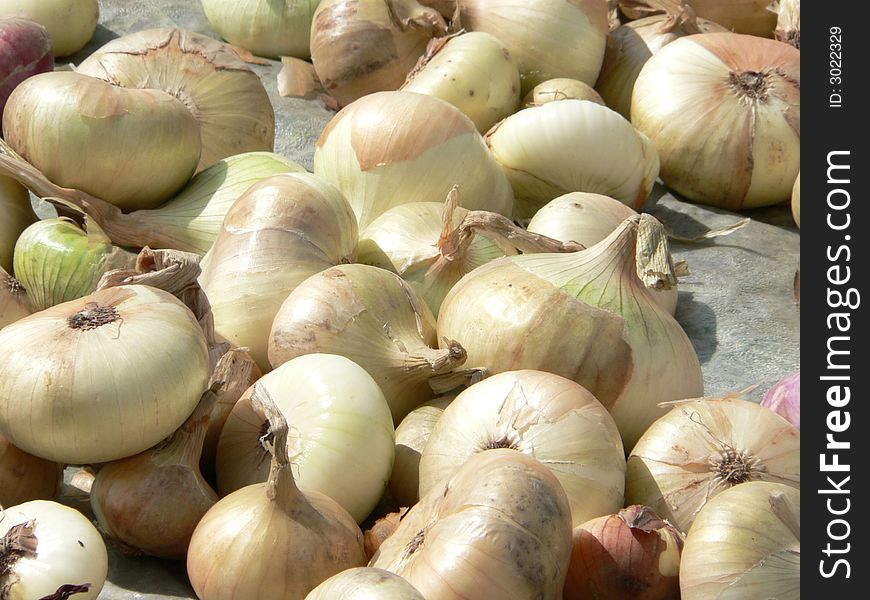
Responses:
[364,583]
[70,23]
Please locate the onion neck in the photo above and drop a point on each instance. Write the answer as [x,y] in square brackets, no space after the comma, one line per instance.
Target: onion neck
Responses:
[19,542]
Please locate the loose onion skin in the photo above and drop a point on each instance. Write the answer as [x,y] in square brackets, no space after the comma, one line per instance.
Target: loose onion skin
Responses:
[70,23]
[15,215]
[24,477]
[25,50]
[364,583]
[784,398]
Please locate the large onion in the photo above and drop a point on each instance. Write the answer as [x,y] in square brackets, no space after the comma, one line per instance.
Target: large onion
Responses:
[70,23]
[364,583]
[396,147]
[15,215]
[540,414]
[25,477]
[723,111]
[703,447]
[14,303]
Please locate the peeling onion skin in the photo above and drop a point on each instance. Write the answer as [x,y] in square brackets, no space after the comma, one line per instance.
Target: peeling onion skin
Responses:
[745,543]
[503,535]
[70,23]
[723,111]
[784,398]
[365,583]
[25,50]
[16,215]
[751,17]
[24,477]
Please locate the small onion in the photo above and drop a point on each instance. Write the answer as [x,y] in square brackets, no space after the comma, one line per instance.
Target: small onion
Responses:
[788,22]
[395,147]
[14,303]
[474,72]
[796,200]
[745,544]
[703,447]
[363,46]
[365,583]
[25,50]
[70,23]
[784,398]
[24,477]
[48,550]
[537,149]
[548,38]
[128,365]
[15,215]
[733,145]
[264,27]
[632,555]
[341,439]
[553,90]
[546,416]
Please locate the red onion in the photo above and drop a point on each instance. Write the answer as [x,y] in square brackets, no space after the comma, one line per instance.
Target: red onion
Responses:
[784,398]
[25,50]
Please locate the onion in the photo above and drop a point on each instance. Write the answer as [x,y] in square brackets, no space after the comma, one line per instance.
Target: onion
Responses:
[14,303]
[631,555]
[25,50]
[796,200]
[76,130]
[281,231]
[560,89]
[364,583]
[25,477]
[374,318]
[70,23]
[271,541]
[548,38]
[342,433]
[703,447]
[499,528]
[474,72]
[752,17]
[262,26]
[736,145]
[363,46]
[49,550]
[632,44]
[395,147]
[788,22]
[57,261]
[128,366]
[381,530]
[536,148]
[411,437]
[540,414]
[227,99]
[784,398]
[15,215]
[585,316]
[745,544]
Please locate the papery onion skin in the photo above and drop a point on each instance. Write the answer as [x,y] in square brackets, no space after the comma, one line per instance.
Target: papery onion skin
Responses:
[14,303]
[548,38]
[536,148]
[784,398]
[70,23]
[25,50]
[391,148]
[24,477]
[788,22]
[723,111]
[553,90]
[226,98]
[127,366]
[745,543]
[261,26]
[69,551]
[548,417]
[15,215]
[77,131]
[475,73]
[796,200]
[702,448]
[365,583]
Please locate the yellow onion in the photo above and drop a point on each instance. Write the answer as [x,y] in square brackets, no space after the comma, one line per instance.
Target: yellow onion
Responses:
[553,90]
[281,231]
[57,261]
[788,22]
[14,303]
[586,316]
[548,38]
[264,27]
[796,200]
[538,150]
[703,447]
[411,437]
[632,555]
[15,215]
[102,377]
[499,528]
[341,440]
[77,131]
[746,543]
[752,17]
[24,477]
[48,550]
[632,44]
[372,317]
[270,540]
[395,147]
[546,416]
[723,111]
[70,23]
[474,72]
[363,46]
[364,583]
[226,98]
